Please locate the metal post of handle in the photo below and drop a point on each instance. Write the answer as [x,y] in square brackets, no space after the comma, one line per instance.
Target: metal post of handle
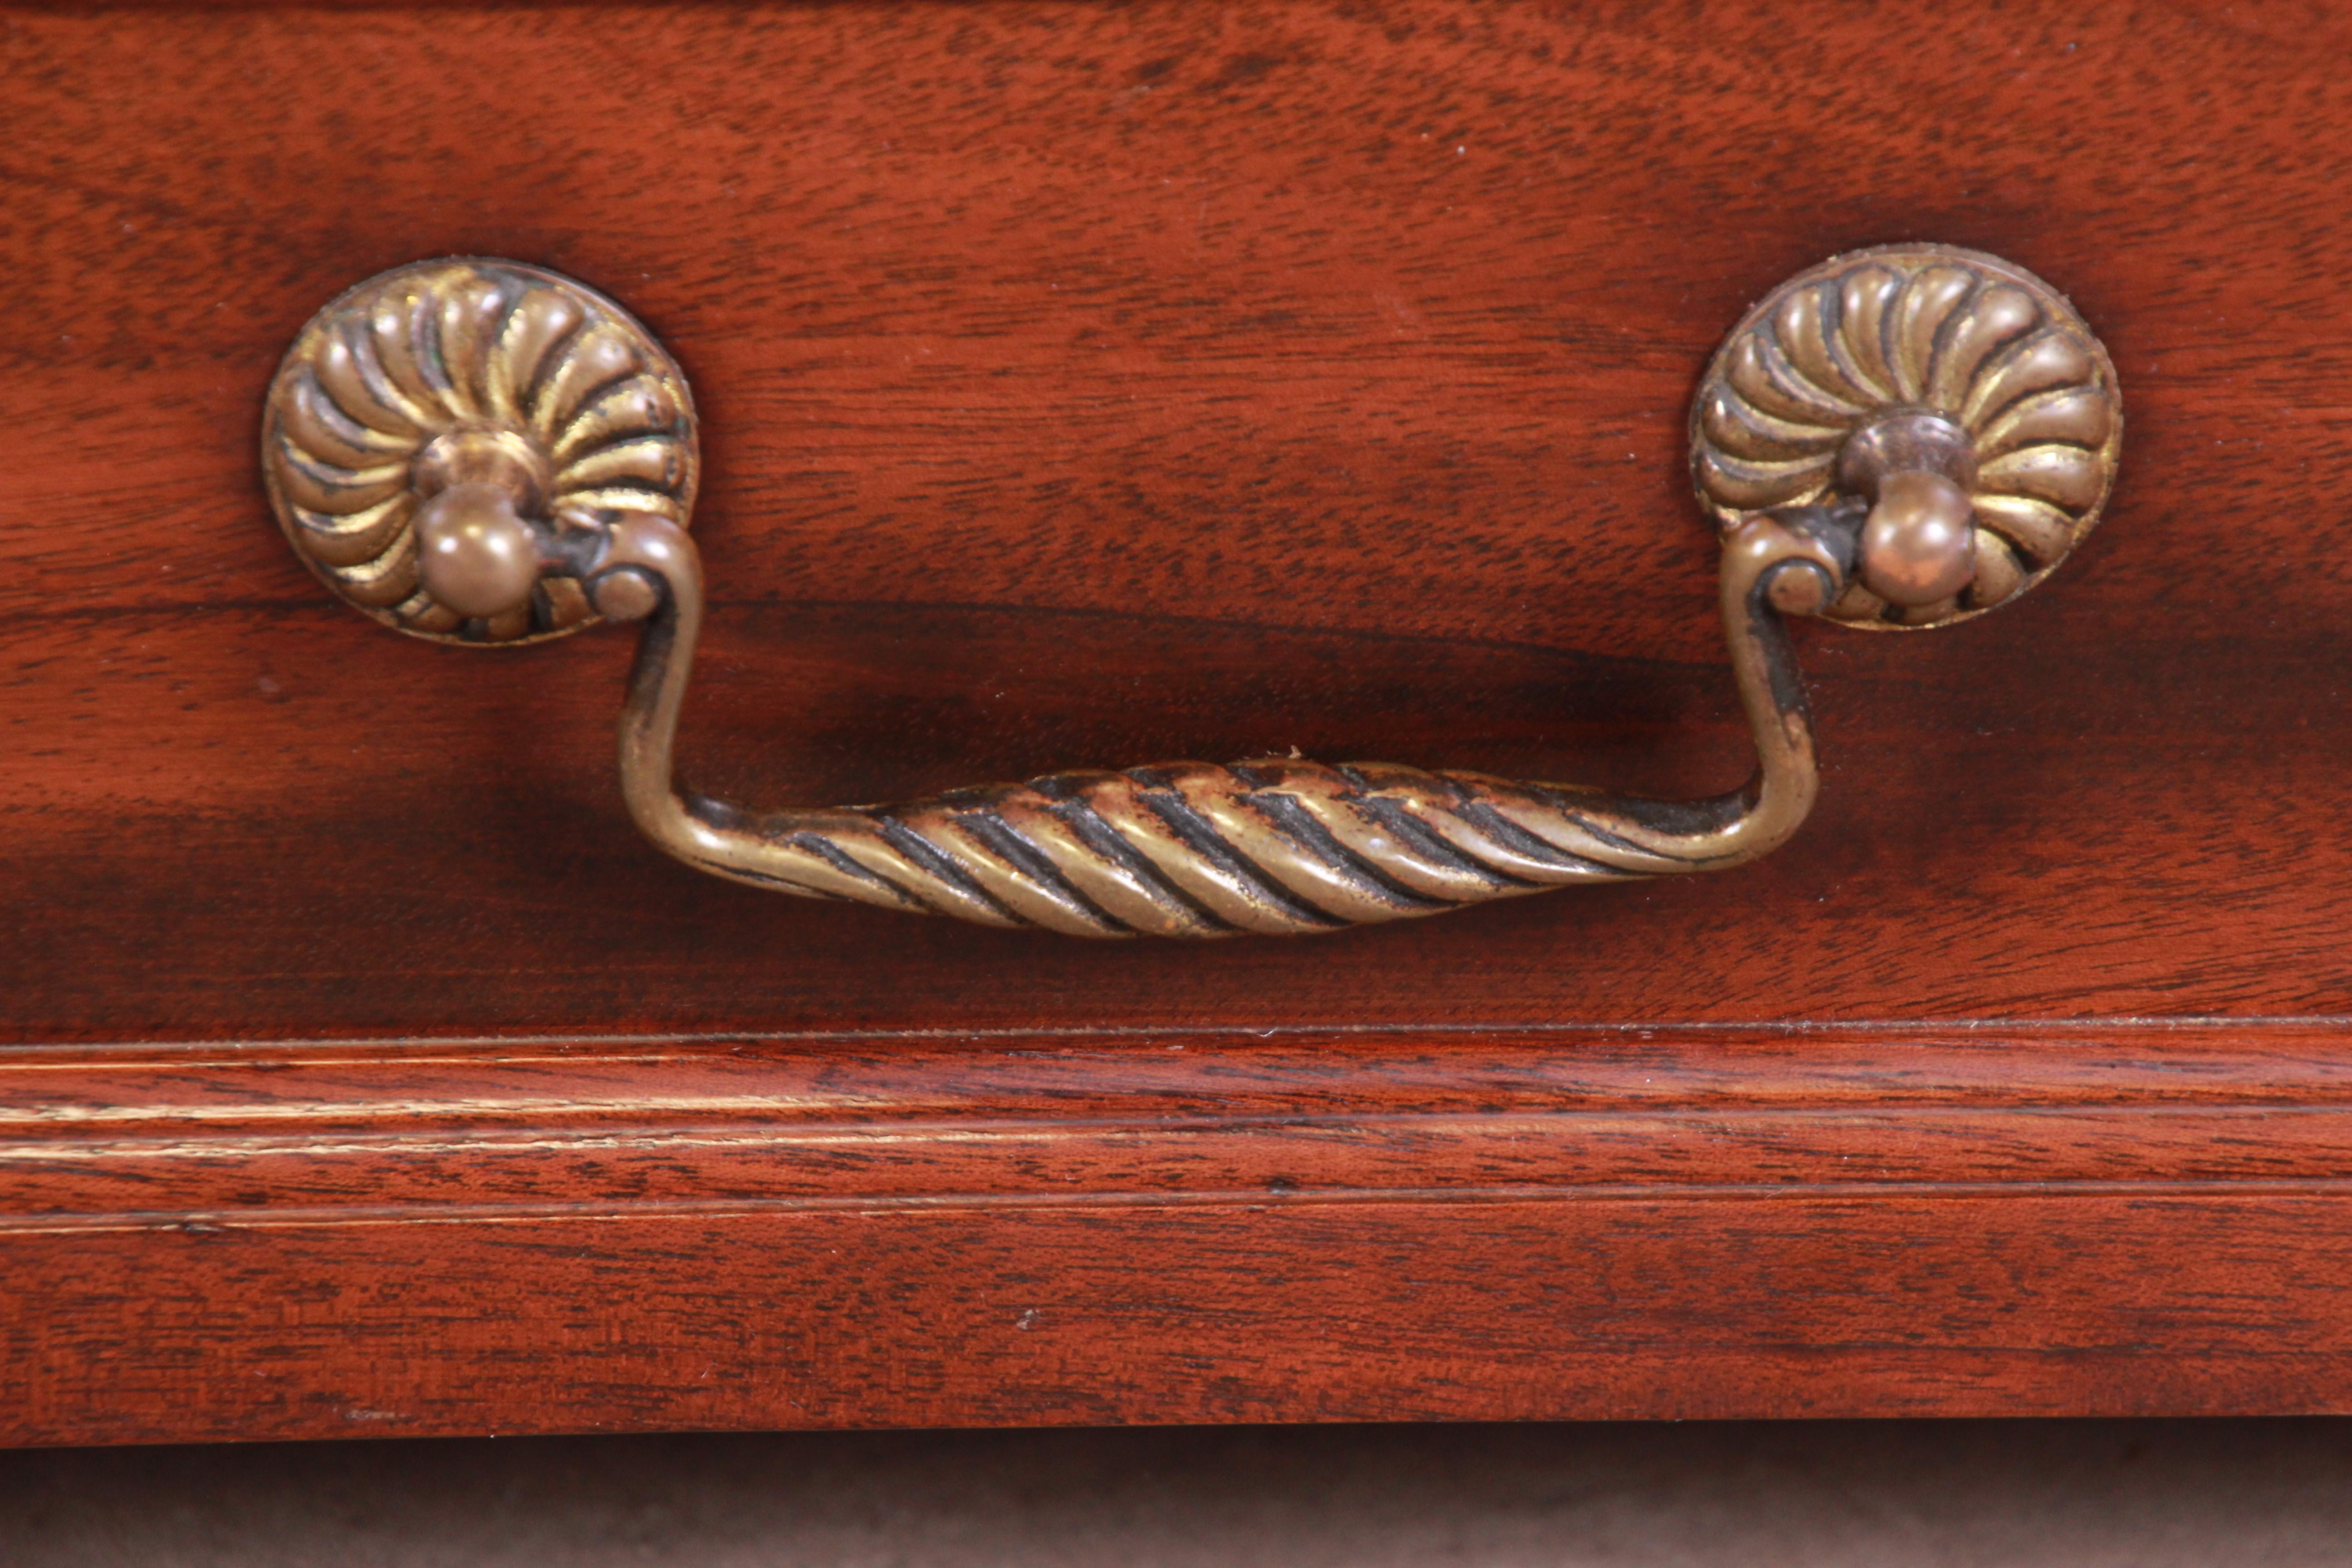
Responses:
[1274,844]
[486,452]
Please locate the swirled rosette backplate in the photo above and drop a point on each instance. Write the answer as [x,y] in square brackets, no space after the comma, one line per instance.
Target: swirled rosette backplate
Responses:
[1924,328]
[446,348]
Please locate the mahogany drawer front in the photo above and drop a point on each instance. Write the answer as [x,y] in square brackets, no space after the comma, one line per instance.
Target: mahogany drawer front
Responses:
[1083,386]
[1086,386]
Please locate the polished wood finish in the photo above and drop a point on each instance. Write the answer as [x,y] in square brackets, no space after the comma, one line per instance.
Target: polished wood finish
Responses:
[1088,385]
[1082,385]
[322,1240]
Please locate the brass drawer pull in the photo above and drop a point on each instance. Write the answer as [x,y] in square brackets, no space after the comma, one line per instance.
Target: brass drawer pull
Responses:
[483,451]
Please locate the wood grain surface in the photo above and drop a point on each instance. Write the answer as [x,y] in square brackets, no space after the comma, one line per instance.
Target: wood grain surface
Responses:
[1088,385]
[320,1240]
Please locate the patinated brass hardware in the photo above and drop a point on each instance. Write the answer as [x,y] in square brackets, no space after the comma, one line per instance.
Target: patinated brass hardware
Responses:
[486,452]
[1961,394]
[430,426]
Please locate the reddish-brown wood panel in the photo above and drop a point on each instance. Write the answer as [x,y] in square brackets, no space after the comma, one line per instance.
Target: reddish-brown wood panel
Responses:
[1664,1307]
[1091,385]
[1084,385]
[307,1240]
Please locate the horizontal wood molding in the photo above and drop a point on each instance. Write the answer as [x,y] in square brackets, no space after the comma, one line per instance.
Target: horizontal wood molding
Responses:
[287,1239]
[237,1132]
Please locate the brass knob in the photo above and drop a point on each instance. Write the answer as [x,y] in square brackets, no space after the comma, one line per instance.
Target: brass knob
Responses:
[486,452]
[1955,392]
[427,427]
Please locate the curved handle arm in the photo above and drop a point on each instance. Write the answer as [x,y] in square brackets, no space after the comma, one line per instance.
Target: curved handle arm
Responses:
[1272,844]
[482,451]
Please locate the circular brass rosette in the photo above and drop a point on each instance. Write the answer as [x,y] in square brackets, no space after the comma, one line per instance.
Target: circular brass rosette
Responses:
[1950,359]
[468,368]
